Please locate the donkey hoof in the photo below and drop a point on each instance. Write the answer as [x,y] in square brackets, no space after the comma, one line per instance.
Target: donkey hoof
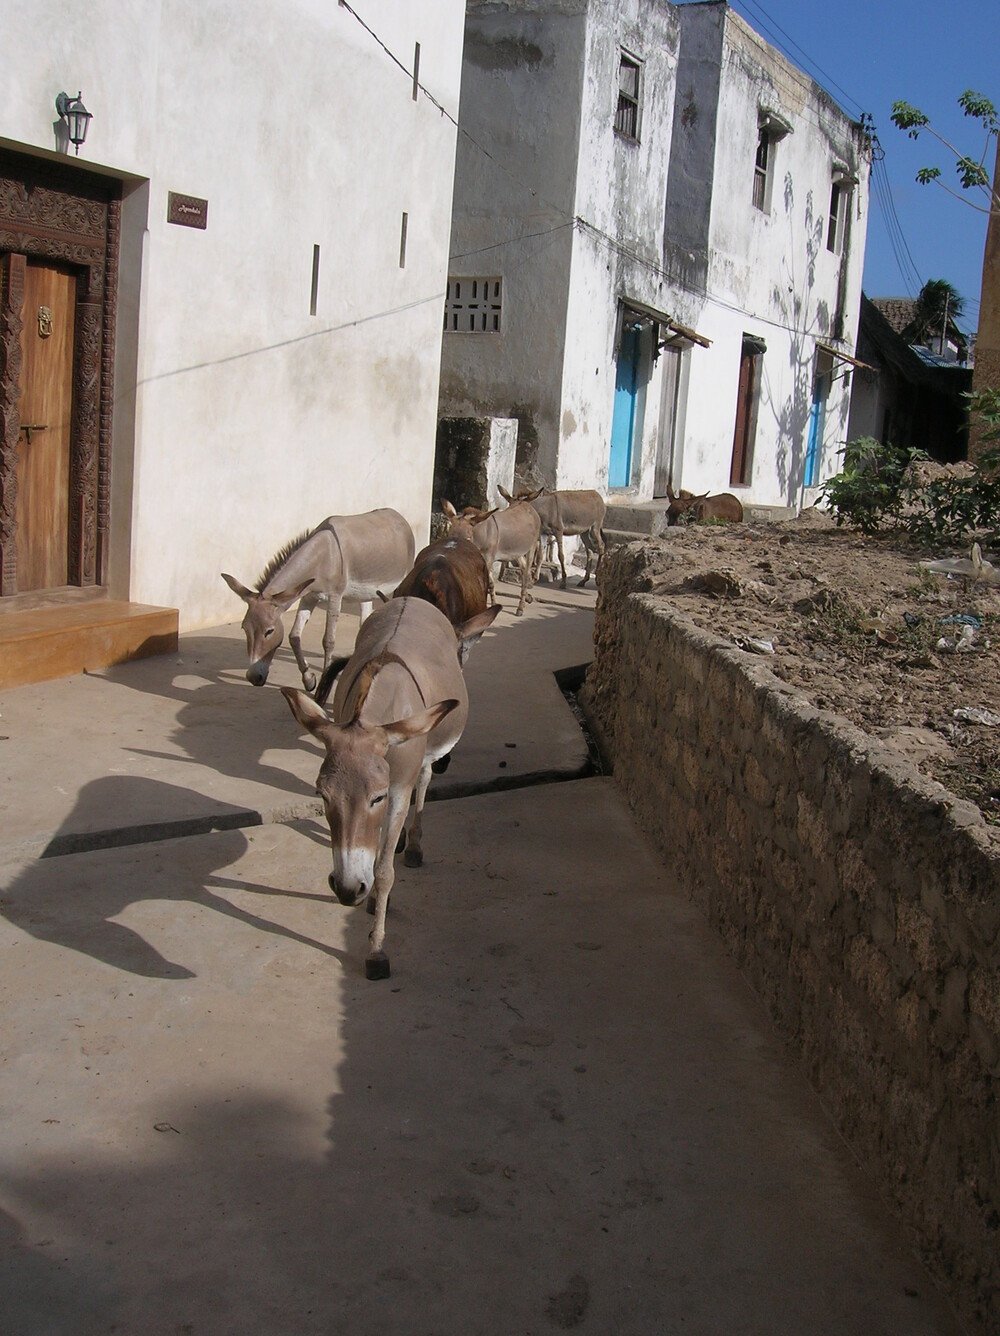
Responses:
[377,966]
[413,858]
[519,612]
[309,681]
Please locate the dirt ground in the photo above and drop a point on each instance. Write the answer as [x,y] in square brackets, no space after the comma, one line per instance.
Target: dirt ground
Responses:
[860,629]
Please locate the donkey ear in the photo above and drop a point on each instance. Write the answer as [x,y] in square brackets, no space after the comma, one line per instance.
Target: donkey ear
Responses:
[506,495]
[418,724]
[469,632]
[241,591]
[286,597]
[670,493]
[311,716]
[449,509]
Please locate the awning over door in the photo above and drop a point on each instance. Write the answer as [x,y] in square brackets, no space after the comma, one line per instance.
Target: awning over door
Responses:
[843,357]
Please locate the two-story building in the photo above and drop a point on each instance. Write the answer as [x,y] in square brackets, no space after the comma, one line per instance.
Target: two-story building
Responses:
[220,311]
[657,248]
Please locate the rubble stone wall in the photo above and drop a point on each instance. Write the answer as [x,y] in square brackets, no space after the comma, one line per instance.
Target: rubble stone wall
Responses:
[861,899]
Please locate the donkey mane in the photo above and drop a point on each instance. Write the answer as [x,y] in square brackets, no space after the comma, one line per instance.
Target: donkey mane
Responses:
[278,560]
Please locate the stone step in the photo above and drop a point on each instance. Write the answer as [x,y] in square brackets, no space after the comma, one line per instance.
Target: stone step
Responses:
[647,519]
[62,639]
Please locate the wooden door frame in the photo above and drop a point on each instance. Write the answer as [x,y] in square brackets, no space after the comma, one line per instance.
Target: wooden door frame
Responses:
[55,213]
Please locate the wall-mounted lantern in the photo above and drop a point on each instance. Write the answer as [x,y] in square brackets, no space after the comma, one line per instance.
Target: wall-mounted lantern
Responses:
[76,116]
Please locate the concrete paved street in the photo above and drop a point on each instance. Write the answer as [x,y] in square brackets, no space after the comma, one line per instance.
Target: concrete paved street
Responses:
[564,1110]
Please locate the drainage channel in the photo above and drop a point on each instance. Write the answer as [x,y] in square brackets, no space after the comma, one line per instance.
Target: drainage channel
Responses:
[569,681]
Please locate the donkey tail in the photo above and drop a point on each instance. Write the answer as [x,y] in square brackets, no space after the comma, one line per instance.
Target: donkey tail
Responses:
[330,674]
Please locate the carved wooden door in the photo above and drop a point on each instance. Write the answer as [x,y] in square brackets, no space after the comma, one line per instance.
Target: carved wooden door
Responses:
[59,237]
[45,421]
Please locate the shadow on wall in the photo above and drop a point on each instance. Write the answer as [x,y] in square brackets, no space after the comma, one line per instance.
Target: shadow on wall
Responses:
[793,299]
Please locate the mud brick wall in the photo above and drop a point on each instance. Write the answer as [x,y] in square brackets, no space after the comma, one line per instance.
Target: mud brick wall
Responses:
[861,899]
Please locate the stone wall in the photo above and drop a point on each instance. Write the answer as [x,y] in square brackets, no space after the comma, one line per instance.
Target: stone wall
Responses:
[861,899]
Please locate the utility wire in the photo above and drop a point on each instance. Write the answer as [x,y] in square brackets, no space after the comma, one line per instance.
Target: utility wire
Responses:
[576,221]
[765,19]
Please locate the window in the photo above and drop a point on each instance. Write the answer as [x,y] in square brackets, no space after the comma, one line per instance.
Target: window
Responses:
[835,226]
[747,398]
[771,128]
[473,306]
[761,171]
[629,87]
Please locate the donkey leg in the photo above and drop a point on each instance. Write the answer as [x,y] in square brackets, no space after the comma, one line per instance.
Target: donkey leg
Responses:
[414,855]
[522,561]
[330,633]
[562,559]
[587,539]
[305,611]
[377,962]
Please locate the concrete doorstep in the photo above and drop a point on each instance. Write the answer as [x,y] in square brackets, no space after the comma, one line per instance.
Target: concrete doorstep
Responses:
[564,1110]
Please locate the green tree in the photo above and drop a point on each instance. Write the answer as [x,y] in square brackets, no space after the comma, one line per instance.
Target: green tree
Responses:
[973,173]
[938,306]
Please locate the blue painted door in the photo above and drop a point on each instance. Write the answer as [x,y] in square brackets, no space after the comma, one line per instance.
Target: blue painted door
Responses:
[623,420]
[817,421]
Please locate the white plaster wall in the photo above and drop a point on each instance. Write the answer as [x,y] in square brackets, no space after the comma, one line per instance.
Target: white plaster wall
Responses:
[771,274]
[621,192]
[254,419]
[513,214]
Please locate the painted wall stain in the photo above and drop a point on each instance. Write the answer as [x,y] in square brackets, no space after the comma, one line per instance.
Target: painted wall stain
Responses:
[503,53]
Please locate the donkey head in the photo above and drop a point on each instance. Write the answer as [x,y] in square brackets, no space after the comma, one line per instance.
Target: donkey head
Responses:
[354,782]
[262,624]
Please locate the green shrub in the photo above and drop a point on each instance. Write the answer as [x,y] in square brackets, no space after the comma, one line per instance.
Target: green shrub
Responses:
[869,492]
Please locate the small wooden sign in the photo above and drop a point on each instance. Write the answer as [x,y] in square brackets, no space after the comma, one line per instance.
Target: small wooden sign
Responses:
[187,211]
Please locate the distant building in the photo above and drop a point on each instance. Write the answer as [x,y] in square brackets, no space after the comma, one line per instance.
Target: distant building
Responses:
[947,344]
[657,247]
[906,395]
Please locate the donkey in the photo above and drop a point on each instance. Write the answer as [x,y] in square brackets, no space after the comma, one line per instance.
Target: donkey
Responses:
[722,506]
[453,576]
[504,535]
[568,514]
[400,704]
[347,556]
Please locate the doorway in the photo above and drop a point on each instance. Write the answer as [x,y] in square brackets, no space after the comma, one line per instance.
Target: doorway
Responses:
[59,243]
[667,439]
[631,375]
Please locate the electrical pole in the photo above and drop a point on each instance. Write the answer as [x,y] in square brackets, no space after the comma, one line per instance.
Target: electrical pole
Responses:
[944,323]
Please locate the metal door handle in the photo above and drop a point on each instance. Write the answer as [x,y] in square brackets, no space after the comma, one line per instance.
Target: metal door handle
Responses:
[29,427]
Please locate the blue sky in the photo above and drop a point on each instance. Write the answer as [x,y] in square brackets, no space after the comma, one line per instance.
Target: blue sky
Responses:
[867,54]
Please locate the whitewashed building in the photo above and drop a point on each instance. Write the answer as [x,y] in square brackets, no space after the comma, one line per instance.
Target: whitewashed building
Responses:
[243,267]
[657,250]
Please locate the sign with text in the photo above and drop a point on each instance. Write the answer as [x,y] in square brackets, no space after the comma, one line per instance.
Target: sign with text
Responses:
[187,211]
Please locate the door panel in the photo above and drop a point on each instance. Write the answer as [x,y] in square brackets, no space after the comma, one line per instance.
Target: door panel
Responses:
[46,412]
[623,420]
[668,424]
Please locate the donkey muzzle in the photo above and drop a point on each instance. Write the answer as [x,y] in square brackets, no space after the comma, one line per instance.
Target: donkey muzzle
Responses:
[346,895]
[257,673]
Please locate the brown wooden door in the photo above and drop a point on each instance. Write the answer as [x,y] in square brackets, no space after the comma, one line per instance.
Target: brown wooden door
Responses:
[46,414]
